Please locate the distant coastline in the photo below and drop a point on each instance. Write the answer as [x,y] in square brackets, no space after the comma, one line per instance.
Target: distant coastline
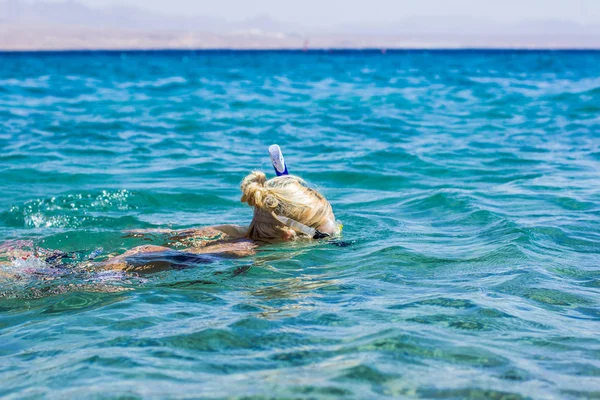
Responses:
[332,51]
[60,39]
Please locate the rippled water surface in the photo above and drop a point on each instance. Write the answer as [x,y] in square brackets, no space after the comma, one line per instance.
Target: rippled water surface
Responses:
[468,184]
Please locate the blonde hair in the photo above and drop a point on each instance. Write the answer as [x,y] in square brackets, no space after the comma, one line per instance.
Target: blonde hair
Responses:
[286,196]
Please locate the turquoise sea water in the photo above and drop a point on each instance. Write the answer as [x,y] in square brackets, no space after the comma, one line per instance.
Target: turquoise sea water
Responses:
[468,184]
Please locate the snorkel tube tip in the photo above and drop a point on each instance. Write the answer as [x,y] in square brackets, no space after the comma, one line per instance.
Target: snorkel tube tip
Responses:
[277,160]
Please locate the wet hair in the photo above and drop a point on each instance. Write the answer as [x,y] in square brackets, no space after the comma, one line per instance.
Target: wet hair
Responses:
[286,196]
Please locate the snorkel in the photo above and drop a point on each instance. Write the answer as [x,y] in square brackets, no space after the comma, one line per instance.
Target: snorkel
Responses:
[277,160]
[280,170]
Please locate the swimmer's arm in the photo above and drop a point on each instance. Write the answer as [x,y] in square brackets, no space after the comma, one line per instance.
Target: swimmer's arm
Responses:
[208,233]
[237,249]
[224,250]
[119,263]
[227,250]
[143,233]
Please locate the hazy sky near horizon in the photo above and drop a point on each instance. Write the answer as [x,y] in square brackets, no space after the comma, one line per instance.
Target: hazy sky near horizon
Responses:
[329,12]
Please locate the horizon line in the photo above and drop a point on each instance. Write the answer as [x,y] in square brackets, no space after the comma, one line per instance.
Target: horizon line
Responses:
[326,50]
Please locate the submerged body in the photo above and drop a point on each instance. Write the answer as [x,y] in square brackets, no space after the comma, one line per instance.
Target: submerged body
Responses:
[205,246]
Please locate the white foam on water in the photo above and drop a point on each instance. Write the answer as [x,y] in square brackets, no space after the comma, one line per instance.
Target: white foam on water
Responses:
[29,263]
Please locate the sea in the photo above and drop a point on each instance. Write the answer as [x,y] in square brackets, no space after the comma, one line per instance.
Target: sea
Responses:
[468,184]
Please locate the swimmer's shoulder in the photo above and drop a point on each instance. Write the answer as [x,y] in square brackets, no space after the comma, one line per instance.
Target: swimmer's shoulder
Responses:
[207,236]
[232,231]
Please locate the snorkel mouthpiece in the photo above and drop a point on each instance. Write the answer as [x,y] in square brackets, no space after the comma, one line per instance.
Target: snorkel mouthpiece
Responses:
[278,161]
[320,235]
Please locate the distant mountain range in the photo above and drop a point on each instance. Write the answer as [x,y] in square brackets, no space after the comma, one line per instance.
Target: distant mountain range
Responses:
[74,14]
[43,25]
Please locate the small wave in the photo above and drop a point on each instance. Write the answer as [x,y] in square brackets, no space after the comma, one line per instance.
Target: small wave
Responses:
[97,202]
[159,83]
[71,210]
[40,82]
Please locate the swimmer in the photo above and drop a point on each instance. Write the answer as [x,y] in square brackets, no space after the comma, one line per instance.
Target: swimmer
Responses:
[284,209]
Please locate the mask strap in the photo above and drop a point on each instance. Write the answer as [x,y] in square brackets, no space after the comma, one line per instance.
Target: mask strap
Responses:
[300,227]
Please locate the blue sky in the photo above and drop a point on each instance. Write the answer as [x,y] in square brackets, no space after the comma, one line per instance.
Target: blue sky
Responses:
[328,12]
